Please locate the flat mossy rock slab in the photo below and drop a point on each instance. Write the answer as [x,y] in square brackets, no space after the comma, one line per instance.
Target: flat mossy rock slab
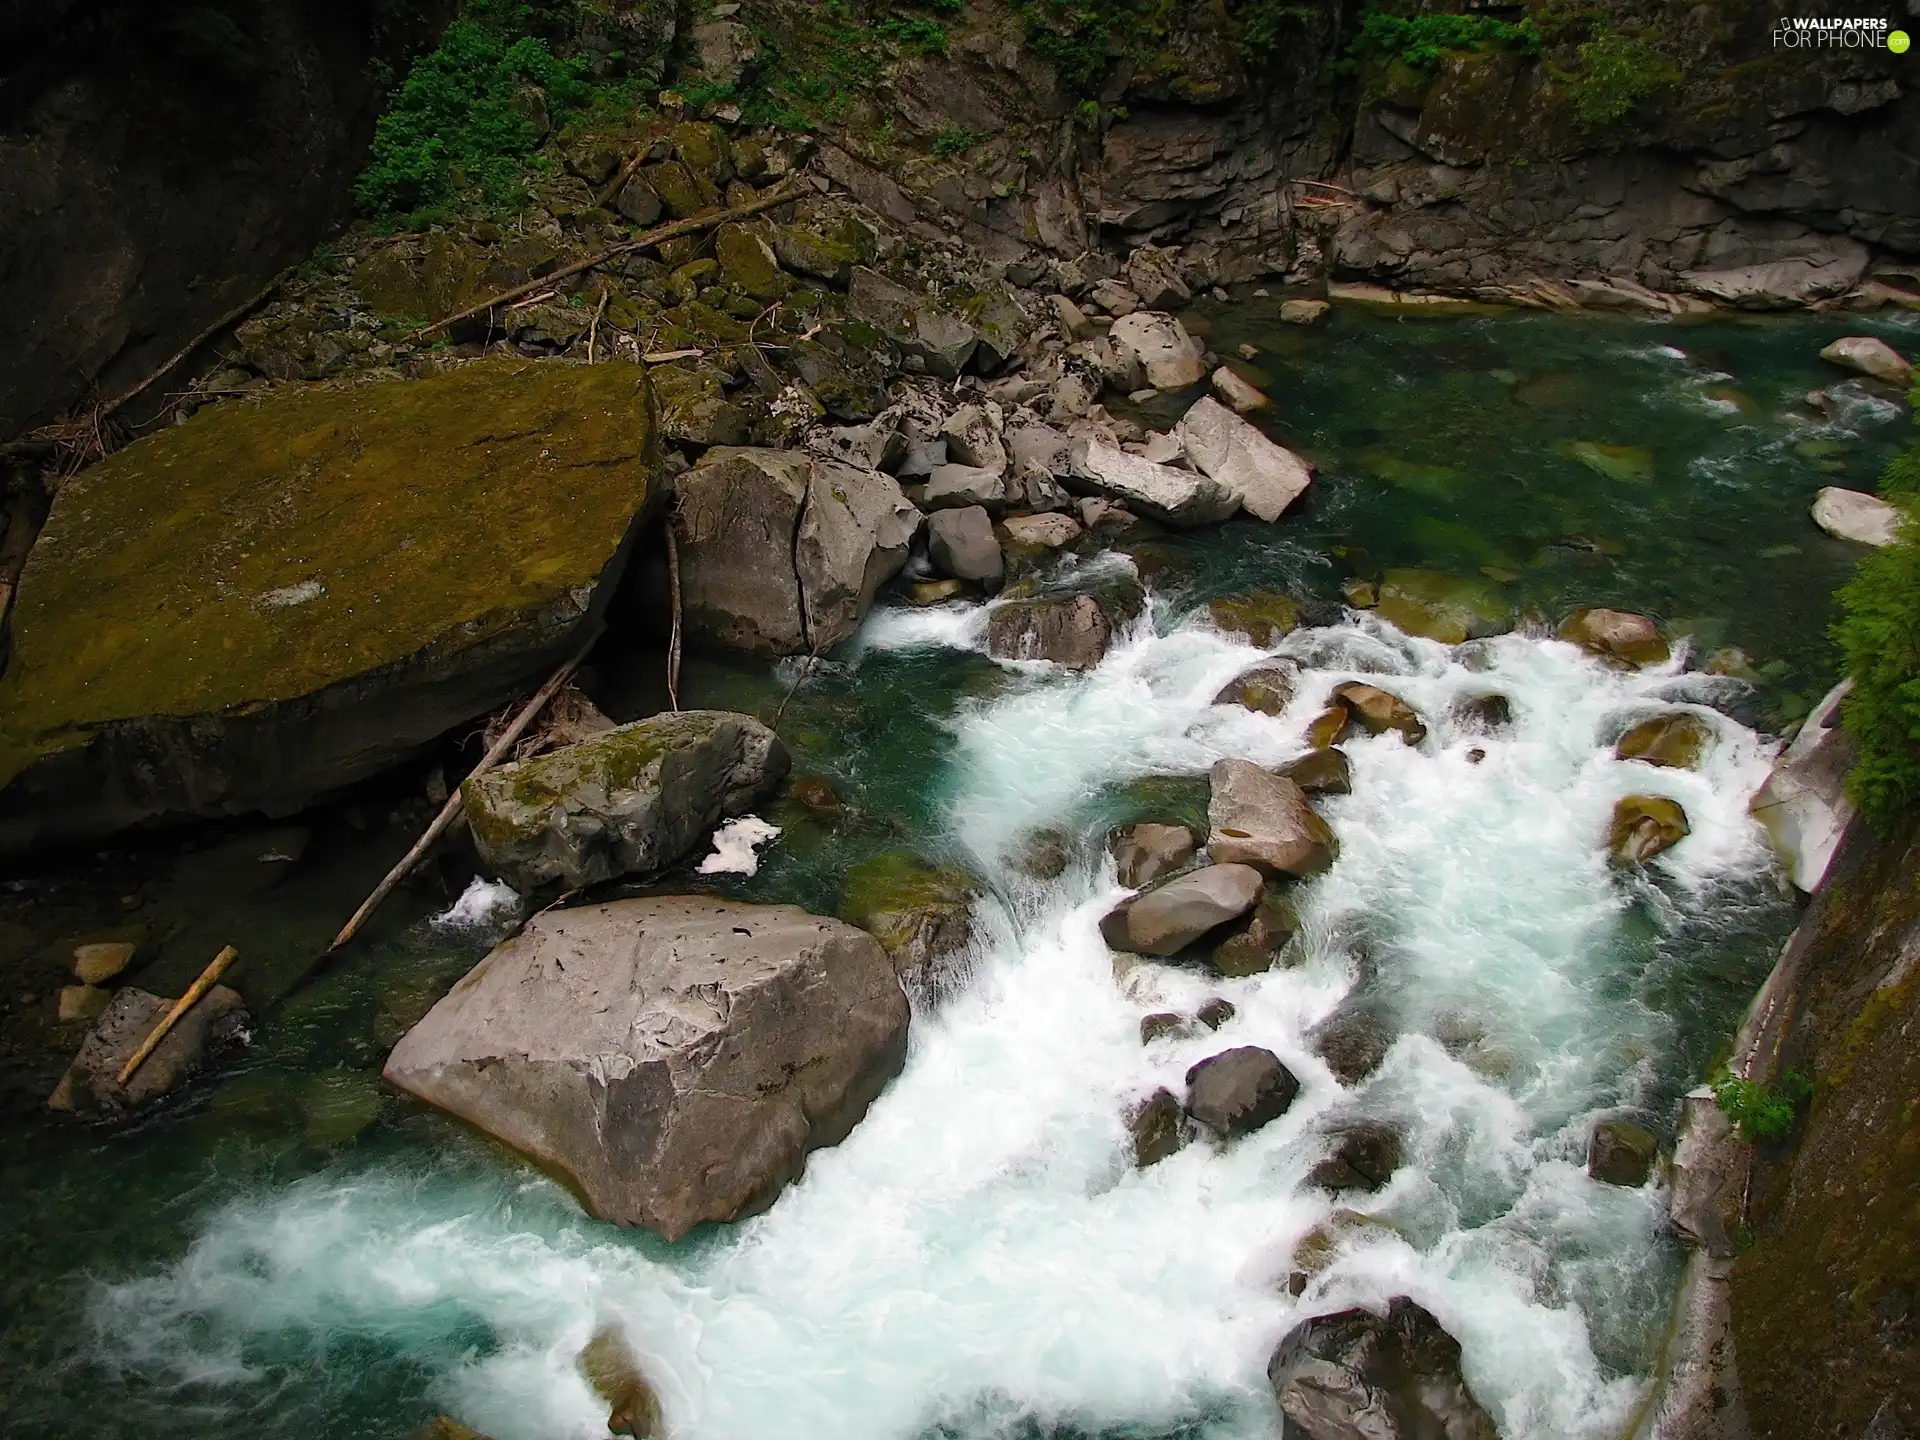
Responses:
[280,598]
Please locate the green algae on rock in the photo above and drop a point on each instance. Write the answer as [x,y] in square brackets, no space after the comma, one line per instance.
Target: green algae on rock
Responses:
[279,598]
[921,914]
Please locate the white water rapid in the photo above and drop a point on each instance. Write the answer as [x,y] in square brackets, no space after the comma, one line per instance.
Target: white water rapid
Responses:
[980,1258]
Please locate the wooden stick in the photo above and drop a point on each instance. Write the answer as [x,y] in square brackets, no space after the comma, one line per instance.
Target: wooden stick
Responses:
[593,330]
[186,1002]
[237,313]
[673,637]
[619,182]
[450,811]
[657,235]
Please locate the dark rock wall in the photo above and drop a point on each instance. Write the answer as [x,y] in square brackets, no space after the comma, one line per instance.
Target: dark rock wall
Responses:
[160,160]
[1826,1303]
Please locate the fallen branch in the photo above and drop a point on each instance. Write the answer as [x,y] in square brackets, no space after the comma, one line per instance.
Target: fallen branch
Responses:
[593,330]
[619,182]
[694,225]
[233,316]
[202,984]
[451,810]
[673,637]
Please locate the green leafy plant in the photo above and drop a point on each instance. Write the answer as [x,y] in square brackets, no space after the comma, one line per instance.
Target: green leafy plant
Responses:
[1616,72]
[1878,633]
[956,140]
[1262,26]
[1761,1112]
[1422,41]
[914,33]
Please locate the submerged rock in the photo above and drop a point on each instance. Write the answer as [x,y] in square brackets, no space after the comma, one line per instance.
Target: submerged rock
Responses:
[1620,1152]
[92,1082]
[1364,1158]
[1164,492]
[673,1059]
[1483,713]
[616,1376]
[1159,1024]
[282,597]
[1354,1040]
[1170,917]
[1675,740]
[921,914]
[1265,617]
[1645,826]
[629,800]
[1264,477]
[1266,821]
[1266,688]
[1072,631]
[1440,607]
[1257,945]
[1856,516]
[1144,852]
[1238,1091]
[1316,1250]
[1380,711]
[1159,1128]
[1355,1375]
[1238,393]
[1616,636]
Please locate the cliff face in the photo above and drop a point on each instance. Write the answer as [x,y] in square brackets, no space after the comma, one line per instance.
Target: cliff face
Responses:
[1826,1303]
[160,160]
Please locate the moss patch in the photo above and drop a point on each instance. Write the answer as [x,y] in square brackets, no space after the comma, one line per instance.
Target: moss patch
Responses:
[264,551]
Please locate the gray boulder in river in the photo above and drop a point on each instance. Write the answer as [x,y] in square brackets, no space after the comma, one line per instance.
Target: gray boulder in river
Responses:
[781,552]
[626,801]
[1355,1375]
[281,597]
[672,1059]
[1265,820]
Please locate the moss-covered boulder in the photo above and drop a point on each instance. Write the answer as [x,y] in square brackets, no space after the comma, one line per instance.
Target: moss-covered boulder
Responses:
[921,914]
[1645,826]
[1676,739]
[1265,617]
[747,260]
[279,598]
[1447,608]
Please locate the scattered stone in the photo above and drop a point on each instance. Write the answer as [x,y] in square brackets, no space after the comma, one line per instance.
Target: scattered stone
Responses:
[1320,772]
[1870,356]
[1114,298]
[1316,1250]
[1159,1129]
[1099,513]
[101,961]
[1355,1375]
[632,800]
[1265,688]
[82,1002]
[1237,1091]
[944,343]
[1049,531]
[1243,396]
[1166,352]
[1162,448]
[1263,477]
[1179,497]
[961,544]
[1257,945]
[973,438]
[1153,275]
[1853,515]
[1038,446]
[1304,312]
[1620,638]
[617,1378]
[1620,1152]
[1265,617]
[1144,852]
[1676,739]
[1215,1013]
[91,1083]
[1329,727]
[1071,319]
[1353,1041]
[337,1105]
[921,914]
[935,592]
[1172,916]
[1364,1158]
[1483,714]
[727,51]
[921,459]
[1072,631]
[1160,1023]
[1643,827]
[807,252]
[747,261]
[1380,711]
[1265,820]
[952,486]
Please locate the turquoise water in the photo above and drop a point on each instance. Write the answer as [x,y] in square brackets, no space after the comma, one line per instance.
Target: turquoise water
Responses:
[291,1250]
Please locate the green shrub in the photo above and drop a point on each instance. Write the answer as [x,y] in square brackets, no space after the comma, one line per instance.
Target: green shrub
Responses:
[1761,1112]
[914,33]
[1422,41]
[1616,72]
[956,140]
[1260,26]
[1879,637]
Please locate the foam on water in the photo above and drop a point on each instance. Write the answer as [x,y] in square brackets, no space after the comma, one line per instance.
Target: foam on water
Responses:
[980,1253]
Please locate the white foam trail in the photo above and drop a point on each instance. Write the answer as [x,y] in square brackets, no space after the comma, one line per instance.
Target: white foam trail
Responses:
[483,905]
[736,846]
[981,1248]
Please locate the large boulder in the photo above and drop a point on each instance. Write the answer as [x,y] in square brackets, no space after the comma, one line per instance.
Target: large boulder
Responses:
[282,597]
[1072,631]
[921,914]
[1364,1157]
[962,545]
[92,1085]
[674,1058]
[1870,355]
[1238,1091]
[1265,617]
[1619,637]
[1803,804]
[1320,772]
[1620,1152]
[1645,826]
[781,552]
[1165,492]
[1265,820]
[1166,352]
[1264,477]
[1355,1375]
[1438,606]
[1380,711]
[1159,1128]
[1854,515]
[627,801]
[1265,688]
[1676,740]
[1144,852]
[1170,917]
[943,341]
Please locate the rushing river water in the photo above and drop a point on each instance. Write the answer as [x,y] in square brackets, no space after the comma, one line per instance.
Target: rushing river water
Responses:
[292,1251]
